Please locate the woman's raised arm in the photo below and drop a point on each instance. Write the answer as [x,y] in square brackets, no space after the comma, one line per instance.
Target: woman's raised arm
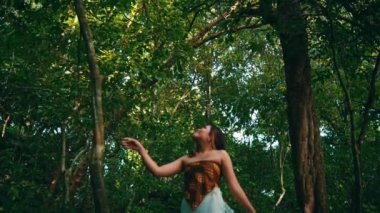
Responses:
[158,171]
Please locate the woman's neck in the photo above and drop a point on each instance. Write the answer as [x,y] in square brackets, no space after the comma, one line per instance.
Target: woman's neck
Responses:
[205,148]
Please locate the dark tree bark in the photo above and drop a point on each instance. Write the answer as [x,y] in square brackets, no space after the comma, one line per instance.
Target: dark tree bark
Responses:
[97,156]
[307,154]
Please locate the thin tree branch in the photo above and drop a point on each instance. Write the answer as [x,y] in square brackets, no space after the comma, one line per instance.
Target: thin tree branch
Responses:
[146,10]
[370,101]
[192,22]
[63,163]
[213,23]
[334,126]
[133,16]
[198,39]
[183,97]
[219,34]
[195,8]
[75,177]
[5,125]
[282,158]
[340,79]
[200,35]
[358,24]
[356,199]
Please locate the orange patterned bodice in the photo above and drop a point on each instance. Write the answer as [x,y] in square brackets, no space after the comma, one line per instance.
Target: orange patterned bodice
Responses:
[200,178]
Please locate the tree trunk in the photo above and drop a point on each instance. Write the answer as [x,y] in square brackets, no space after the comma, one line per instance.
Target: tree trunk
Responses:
[307,154]
[357,192]
[356,198]
[97,156]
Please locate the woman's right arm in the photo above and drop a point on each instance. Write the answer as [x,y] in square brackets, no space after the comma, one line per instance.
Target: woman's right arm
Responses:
[159,171]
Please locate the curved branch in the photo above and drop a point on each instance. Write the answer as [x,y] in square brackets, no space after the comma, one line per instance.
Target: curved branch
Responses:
[193,41]
[219,34]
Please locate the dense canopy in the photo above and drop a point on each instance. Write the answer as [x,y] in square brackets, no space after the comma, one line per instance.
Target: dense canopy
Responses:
[294,85]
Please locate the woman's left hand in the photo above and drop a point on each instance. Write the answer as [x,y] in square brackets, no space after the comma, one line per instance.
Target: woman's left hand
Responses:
[131,143]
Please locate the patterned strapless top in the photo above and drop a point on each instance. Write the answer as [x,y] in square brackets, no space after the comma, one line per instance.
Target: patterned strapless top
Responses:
[200,178]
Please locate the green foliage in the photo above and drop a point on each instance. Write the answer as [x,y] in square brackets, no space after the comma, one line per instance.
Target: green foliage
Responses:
[45,89]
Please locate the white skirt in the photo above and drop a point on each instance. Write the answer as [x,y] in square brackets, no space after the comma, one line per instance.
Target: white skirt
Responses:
[212,203]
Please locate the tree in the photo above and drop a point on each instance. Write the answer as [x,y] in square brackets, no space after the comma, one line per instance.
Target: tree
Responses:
[98,147]
[159,60]
[307,154]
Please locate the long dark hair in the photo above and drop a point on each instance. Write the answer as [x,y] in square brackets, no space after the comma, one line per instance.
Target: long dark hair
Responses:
[218,139]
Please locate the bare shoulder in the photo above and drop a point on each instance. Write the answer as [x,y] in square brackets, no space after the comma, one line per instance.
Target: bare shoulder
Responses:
[223,153]
[183,158]
[226,159]
[223,156]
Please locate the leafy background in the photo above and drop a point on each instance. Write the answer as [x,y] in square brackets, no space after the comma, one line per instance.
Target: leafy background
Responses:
[156,89]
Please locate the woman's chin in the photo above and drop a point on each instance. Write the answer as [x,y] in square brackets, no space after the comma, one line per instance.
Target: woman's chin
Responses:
[195,137]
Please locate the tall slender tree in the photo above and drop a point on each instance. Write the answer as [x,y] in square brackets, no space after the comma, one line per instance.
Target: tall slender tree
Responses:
[97,157]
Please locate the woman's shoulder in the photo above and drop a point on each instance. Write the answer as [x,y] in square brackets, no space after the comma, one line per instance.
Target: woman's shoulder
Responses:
[224,156]
[214,155]
[222,152]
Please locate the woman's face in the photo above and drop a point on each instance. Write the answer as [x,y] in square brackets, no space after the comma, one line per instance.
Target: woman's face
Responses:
[202,134]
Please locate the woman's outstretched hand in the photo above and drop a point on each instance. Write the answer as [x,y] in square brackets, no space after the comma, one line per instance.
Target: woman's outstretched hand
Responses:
[131,143]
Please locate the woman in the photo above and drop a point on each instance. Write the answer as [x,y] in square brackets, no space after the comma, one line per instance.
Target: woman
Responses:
[202,170]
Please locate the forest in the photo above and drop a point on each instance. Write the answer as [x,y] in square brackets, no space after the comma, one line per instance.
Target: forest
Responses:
[293,84]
